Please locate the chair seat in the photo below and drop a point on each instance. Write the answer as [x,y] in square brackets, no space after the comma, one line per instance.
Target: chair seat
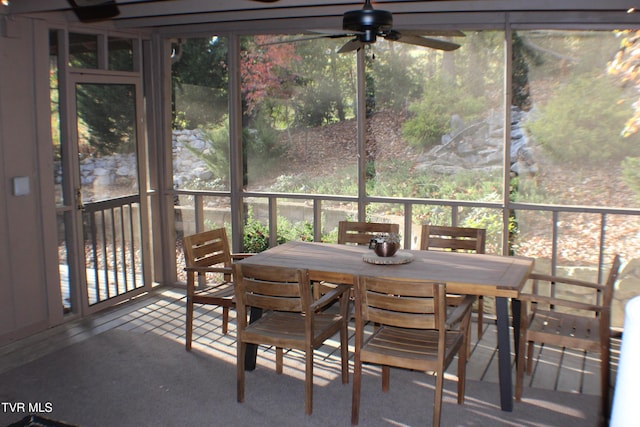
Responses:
[280,328]
[566,330]
[393,346]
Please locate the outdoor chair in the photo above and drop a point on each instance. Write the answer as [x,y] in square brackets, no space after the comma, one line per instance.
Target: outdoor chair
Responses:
[456,239]
[356,233]
[361,233]
[292,319]
[207,256]
[412,331]
[567,312]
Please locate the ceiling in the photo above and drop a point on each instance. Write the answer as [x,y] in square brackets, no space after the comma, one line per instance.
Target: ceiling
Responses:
[247,15]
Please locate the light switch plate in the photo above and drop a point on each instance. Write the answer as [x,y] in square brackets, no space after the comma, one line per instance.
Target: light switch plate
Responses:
[21,186]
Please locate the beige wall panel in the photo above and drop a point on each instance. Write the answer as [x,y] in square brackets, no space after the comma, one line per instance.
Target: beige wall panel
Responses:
[22,287]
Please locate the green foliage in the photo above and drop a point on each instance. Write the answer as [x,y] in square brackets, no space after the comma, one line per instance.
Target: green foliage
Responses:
[576,124]
[260,142]
[180,121]
[287,231]
[631,173]
[108,114]
[324,86]
[396,178]
[521,97]
[431,116]
[256,234]
[200,78]
[315,106]
[216,155]
[394,77]
[342,183]
[260,145]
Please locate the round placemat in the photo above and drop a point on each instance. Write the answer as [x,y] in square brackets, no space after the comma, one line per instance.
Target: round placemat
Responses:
[398,258]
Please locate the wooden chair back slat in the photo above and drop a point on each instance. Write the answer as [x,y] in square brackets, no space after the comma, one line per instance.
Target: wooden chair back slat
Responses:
[361,233]
[404,305]
[273,288]
[453,238]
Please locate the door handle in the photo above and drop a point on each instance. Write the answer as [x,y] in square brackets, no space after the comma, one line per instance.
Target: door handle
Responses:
[79,203]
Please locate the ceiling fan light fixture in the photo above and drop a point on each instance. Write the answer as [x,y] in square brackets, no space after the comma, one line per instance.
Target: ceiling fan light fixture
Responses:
[369,36]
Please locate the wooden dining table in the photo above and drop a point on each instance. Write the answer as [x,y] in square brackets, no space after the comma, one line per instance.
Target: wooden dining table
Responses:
[472,274]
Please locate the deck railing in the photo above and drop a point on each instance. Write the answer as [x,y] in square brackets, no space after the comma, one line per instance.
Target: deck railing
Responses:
[317,205]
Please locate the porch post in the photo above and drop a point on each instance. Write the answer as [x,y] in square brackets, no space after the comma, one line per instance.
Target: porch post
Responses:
[235,141]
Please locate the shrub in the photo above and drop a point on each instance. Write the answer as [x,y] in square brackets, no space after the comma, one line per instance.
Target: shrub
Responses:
[216,154]
[256,234]
[431,116]
[579,123]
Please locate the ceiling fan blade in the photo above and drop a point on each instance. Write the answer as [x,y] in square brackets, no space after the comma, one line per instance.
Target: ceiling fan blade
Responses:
[423,41]
[334,32]
[301,39]
[351,45]
[436,33]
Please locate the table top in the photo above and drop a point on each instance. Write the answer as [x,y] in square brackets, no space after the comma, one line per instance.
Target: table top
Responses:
[464,273]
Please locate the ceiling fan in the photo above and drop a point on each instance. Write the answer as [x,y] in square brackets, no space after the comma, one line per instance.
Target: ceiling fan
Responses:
[367,24]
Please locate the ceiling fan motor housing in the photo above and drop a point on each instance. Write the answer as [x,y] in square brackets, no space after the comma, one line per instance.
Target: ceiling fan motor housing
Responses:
[371,22]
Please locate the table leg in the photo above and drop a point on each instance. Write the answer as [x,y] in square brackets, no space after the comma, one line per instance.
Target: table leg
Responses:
[504,355]
[252,349]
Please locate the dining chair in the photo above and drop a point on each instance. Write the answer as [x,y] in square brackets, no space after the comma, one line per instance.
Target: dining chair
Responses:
[412,331]
[207,256]
[356,233]
[361,233]
[292,318]
[568,312]
[456,239]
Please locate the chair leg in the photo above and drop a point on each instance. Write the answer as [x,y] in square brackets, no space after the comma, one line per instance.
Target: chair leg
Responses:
[308,399]
[225,320]
[529,357]
[355,398]
[279,357]
[386,377]
[241,350]
[467,338]
[437,404]
[520,366]
[189,322]
[480,316]
[344,340]
[605,381]
[462,371]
